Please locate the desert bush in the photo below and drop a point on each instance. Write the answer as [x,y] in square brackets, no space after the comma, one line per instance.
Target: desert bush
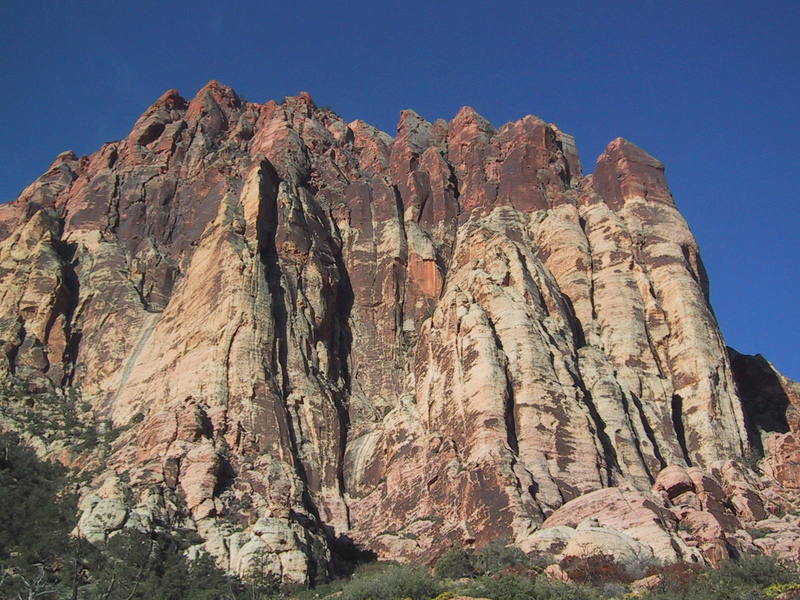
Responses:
[454,564]
[498,555]
[760,571]
[746,579]
[39,558]
[515,587]
[391,582]
[137,566]
[36,517]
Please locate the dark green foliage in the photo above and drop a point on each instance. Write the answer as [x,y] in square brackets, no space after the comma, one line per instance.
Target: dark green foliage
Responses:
[39,558]
[755,570]
[391,582]
[37,555]
[135,566]
[745,579]
[36,516]
[498,555]
[454,564]
[48,417]
[45,415]
[515,587]
[751,578]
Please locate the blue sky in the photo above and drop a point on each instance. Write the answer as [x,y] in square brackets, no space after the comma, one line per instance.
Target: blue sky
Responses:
[710,88]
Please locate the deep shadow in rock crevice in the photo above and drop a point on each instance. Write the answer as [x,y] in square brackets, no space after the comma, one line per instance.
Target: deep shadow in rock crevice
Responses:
[678,426]
[347,555]
[764,401]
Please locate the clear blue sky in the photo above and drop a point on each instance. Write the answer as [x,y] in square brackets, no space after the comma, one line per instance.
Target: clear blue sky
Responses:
[710,88]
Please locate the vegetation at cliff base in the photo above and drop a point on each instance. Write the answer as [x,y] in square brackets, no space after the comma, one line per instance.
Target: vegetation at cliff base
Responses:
[40,559]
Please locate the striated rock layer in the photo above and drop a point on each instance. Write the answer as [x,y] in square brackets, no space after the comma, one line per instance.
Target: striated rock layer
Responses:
[304,333]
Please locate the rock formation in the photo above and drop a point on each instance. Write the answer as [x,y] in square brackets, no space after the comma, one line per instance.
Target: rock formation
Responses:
[291,334]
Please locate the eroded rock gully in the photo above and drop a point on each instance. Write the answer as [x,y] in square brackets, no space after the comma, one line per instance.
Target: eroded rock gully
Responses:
[306,334]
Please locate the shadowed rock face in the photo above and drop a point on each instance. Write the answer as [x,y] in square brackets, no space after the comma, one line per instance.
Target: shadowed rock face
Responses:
[308,333]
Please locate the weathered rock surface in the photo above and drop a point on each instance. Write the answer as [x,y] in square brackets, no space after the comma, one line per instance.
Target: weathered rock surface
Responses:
[305,333]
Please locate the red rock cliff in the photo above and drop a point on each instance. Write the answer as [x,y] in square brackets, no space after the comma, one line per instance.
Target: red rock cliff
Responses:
[304,331]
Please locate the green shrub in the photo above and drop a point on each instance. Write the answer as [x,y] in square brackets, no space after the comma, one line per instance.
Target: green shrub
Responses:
[760,571]
[391,582]
[498,555]
[136,566]
[515,587]
[744,579]
[454,564]
[35,514]
[494,558]
[39,558]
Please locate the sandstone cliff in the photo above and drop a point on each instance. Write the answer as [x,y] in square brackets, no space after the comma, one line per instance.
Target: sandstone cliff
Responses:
[290,334]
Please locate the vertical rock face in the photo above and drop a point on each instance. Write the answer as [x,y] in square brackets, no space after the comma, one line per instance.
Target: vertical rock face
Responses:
[305,333]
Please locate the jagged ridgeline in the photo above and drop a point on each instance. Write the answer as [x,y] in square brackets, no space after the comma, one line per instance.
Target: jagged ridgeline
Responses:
[289,337]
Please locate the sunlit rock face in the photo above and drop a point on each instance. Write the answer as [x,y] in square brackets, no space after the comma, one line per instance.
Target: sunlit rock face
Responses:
[306,334]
